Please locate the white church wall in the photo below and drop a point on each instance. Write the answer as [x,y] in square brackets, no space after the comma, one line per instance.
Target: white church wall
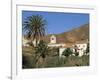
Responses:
[61,50]
[53,39]
[56,45]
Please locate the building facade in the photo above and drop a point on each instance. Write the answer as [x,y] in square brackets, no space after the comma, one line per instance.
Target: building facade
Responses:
[79,48]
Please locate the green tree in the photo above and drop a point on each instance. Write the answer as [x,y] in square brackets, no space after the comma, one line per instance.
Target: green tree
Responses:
[35,27]
[87,49]
[76,53]
[67,52]
[41,51]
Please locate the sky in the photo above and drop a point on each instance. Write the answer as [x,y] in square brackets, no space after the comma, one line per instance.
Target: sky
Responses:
[58,22]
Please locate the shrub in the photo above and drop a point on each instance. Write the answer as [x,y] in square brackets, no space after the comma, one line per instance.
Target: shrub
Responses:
[87,49]
[27,60]
[67,52]
[76,53]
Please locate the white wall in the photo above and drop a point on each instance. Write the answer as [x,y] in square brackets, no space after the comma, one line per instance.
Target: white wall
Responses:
[61,50]
[52,39]
[56,45]
[81,48]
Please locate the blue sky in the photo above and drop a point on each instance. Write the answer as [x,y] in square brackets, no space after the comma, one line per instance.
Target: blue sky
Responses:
[58,22]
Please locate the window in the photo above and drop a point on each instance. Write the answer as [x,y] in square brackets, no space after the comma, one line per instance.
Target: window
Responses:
[52,38]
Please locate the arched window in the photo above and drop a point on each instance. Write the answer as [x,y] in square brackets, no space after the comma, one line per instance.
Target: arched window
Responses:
[52,38]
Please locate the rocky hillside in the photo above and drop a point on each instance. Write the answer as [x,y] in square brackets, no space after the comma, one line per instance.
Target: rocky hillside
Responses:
[78,34]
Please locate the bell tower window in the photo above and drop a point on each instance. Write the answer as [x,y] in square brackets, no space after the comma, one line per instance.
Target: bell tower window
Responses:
[52,38]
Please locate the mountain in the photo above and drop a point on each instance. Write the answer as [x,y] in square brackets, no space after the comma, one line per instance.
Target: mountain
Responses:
[80,34]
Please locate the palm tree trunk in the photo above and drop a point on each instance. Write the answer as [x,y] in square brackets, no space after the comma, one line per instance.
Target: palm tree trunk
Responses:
[36,60]
[36,43]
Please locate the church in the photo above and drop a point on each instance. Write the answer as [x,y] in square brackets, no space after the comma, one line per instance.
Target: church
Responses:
[53,42]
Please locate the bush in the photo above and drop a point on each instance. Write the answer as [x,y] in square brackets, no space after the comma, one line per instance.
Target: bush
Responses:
[27,61]
[76,53]
[87,49]
[67,52]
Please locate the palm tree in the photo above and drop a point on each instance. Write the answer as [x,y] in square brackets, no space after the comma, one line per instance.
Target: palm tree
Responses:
[41,50]
[35,27]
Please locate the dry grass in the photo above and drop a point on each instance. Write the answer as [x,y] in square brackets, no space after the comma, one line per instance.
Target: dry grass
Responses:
[55,61]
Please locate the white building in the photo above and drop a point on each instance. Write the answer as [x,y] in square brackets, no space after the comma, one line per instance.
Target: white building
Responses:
[53,42]
[61,50]
[25,41]
[80,48]
[53,39]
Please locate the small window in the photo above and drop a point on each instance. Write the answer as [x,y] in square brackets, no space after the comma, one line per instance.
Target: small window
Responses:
[52,38]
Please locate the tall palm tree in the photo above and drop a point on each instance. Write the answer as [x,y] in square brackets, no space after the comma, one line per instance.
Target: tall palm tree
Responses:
[35,27]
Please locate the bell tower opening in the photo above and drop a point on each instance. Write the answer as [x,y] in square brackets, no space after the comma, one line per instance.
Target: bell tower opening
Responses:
[53,39]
